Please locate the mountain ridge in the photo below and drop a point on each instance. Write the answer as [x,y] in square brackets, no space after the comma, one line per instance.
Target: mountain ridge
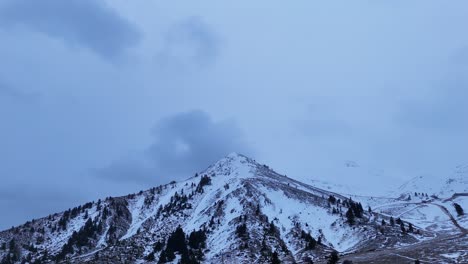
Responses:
[241,210]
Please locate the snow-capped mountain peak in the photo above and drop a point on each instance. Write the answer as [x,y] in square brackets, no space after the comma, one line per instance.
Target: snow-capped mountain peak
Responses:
[235,211]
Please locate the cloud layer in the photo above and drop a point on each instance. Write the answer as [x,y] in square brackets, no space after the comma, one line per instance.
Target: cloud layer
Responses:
[183,144]
[86,23]
[310,84]
[188,43]
[9,93]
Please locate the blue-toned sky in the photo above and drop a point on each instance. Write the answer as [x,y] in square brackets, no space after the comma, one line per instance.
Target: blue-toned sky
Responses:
[102,98]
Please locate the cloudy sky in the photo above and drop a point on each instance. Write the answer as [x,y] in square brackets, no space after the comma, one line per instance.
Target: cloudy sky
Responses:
[102,98]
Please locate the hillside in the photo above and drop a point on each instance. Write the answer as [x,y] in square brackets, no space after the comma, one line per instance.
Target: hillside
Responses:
[237,211]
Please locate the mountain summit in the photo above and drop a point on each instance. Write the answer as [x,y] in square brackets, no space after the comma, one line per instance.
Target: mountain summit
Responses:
[238,211]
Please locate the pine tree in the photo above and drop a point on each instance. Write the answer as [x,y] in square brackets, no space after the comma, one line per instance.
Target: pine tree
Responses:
[350,216]
[402,227]
[333,259]
[205,180]
[311,243]
[14,251]
[176,242]
[197,239]
[275,259]
[163,258]
[12,245]
[272,229]
[392,222]
[150,257]
[241,230]
[188,258]
[459,209]
[158,246]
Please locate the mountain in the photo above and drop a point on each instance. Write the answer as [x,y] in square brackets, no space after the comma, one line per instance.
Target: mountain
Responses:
[352,178]
[240,211]
[428,201]
[457,182]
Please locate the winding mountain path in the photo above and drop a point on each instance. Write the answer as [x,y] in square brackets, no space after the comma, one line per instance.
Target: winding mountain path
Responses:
[455,195]
[454,221]
[426,251]
[441,207]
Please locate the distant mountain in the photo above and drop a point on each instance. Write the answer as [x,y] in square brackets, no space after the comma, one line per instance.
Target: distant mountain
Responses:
[351,178]
[240,211]
[457,182]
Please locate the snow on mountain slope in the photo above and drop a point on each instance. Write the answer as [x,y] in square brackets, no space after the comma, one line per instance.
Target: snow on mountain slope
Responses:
[463,202]
[423,183]
[428,202]
[235,211]
[441,186]
[351,178]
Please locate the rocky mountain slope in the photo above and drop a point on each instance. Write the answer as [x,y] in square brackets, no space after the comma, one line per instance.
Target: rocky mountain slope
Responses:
[239,211]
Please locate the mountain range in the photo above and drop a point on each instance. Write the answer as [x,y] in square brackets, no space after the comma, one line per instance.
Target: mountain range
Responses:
[240,211]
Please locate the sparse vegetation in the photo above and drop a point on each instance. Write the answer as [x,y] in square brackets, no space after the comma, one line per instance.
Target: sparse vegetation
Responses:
[459,209]
[333,258]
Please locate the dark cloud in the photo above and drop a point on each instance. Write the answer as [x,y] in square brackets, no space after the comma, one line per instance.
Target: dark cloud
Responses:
[183,144]
[189,42]
[88,23]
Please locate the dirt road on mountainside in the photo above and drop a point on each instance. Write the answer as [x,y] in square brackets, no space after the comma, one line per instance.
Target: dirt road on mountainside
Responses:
[432,251]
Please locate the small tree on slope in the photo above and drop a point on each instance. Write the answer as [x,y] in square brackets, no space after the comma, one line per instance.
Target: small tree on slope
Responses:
[350,216]
[459,209]
[333,259]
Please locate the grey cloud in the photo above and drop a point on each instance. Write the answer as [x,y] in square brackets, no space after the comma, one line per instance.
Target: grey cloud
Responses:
[323,121]
[8,92]
[404,139]
[267,71]
[88,23]
[189,42]
[183,144]
[445,113]
[461,57]
[427,134]
[29,203]
[129,169]
[26,192]
[324,128]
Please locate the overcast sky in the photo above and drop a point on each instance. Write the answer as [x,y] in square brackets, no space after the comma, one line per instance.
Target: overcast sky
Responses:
[102,98]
